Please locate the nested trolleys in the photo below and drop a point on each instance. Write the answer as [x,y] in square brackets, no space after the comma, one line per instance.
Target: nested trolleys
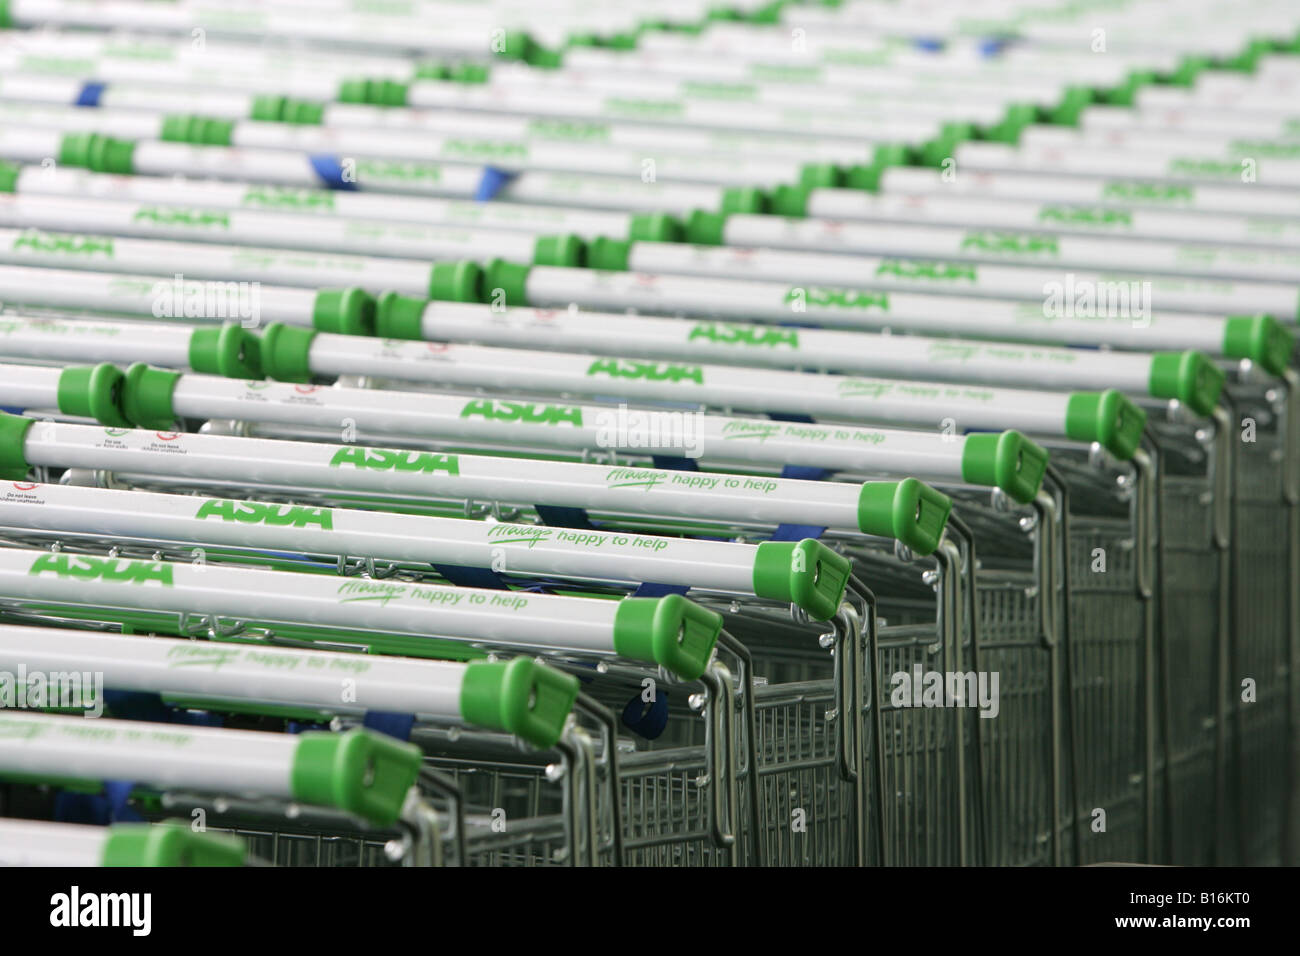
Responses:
[991,356]
[294,114]
[893,293]
[241,469]
[1104,191]
[1005,460]
[907,511]
[365,774]
[232,263]
[982,241]
[894,274]
[395,214]
[1259,338]
[1009,463]
[293,354]
[619,186]
[301,355]
[674,633]
[520,696]
[1033,211]
[276,229]
[805,573]
[668,631]
[36,843]
[550,284]
[208,301]
[400,616]
[339,28]
[1093,613]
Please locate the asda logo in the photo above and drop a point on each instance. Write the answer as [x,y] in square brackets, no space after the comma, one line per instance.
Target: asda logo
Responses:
[1205,167]
[64,245]
[112,570]
[395,169]
[644,107]
[385,459]
[525,412]
[927,271]
[568,129]
[276,516]
[1010,243]
[309,199]
[1085,216]
[57,64]
[721,91]
[181,217]
[484,149]
[1148,192]
[647,371]
[1264,147]
[724,333]
[785,74]
[836,298]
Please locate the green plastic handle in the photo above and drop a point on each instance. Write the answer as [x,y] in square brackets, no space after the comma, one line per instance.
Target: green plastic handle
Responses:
[671,631]
[171,843]
[1006,460]
[1107,418]
[520,696]
[805,573]
[909,510]
[361,772]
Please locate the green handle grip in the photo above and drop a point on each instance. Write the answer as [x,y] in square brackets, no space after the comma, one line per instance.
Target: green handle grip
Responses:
[521,696]
[1006,460]
[171,843]
[93,391]
[361,772]
[1189,377]
[1107,418]
[671,631]
[909,510]
[805,573]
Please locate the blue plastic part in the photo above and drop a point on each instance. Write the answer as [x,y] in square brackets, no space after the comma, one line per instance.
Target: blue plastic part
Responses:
[796,532]
[675,463]
[647,718]
[651,590]
[117,793]
[562,516]
[330,171]
[494,180]
[137,705]
[90,94]
[391,723]
[72,807]
[467,577]
[804,472]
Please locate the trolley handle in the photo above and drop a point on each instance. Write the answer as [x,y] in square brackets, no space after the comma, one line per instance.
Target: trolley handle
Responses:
[170,843]
[360,772]
[806,573]
[521,696]
[228,350]
[669,631]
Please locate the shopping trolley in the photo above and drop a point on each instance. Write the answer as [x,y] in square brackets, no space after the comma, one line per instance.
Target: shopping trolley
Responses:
[37,843]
